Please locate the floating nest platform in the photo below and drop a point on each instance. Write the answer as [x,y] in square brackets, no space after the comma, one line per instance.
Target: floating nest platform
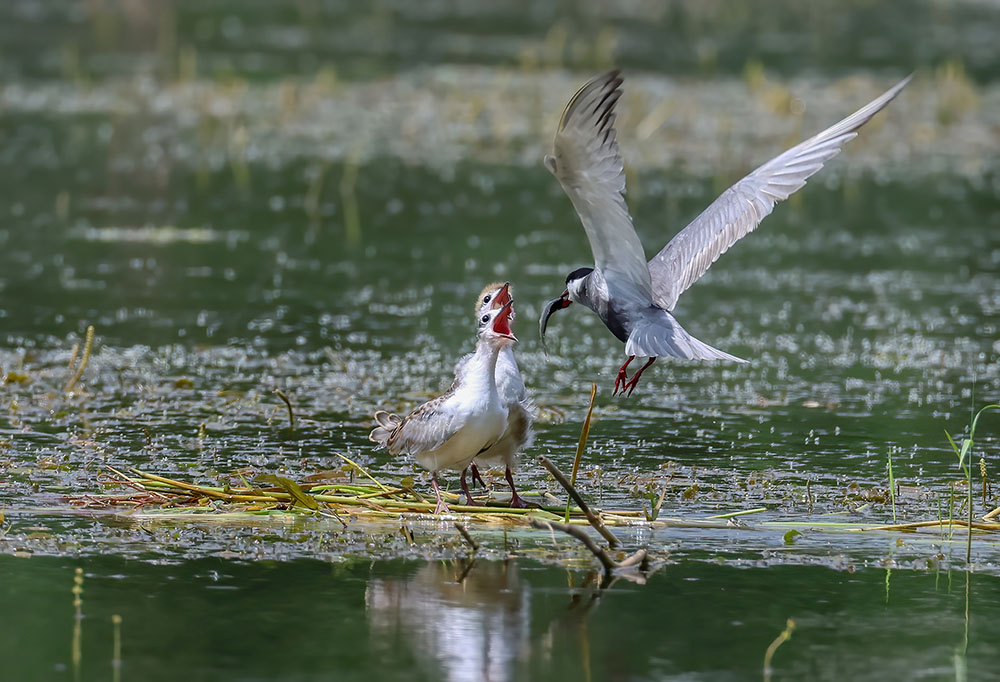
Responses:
[150,497]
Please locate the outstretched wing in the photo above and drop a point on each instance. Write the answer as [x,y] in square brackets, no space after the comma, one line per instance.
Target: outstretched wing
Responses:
[586,161]
[741,208]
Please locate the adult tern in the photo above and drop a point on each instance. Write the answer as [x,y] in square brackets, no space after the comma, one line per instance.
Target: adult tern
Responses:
[634,298]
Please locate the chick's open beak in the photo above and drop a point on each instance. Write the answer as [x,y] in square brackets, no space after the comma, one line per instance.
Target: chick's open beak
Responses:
[503,296]
[550,310]
[501,323]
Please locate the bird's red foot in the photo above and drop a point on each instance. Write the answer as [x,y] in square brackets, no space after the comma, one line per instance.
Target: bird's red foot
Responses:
[630,386]
[465,489]
[634,381]
[622,379]
[516,502]
[476,478]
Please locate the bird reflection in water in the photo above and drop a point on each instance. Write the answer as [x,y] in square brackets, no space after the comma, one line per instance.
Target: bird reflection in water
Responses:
[470,619]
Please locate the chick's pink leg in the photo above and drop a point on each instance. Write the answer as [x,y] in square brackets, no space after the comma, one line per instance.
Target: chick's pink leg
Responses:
[441,507]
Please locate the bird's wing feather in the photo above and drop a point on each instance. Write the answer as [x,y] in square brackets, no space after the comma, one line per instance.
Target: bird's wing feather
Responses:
[662,335]
[426,428]
[586,161]
[741,208]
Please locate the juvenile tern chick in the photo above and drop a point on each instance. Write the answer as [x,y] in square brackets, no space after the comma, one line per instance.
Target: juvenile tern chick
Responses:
[449,431]
[632,297]
[518,434]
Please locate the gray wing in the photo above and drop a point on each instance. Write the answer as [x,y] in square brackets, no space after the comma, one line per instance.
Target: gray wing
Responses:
[741,208]
[662,335]
[586,161]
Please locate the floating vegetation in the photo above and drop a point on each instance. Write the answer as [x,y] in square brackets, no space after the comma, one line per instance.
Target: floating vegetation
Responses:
[153,497]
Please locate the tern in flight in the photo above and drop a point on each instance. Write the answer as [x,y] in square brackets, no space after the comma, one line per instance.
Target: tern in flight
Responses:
[634,298]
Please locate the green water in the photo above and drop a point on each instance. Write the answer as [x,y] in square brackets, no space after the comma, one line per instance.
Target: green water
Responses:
[212,619]
[306,196]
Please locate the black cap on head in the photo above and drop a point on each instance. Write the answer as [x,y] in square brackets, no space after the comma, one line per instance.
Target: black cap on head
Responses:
[579,273]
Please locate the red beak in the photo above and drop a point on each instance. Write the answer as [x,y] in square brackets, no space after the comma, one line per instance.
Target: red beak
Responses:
[501,323]
[503,296]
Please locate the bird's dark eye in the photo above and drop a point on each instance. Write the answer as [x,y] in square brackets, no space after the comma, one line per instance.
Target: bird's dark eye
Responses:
[486,318]
[487,299]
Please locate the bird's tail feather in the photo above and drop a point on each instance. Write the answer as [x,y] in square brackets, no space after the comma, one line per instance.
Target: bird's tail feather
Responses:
[662,335]
[387,423]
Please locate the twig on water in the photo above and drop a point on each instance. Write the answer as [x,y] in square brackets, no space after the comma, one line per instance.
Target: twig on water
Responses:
[465,534]
[88,344]
[639,558]
[465,571]
[581,535]
[594,520]
[785,635]
[288,403]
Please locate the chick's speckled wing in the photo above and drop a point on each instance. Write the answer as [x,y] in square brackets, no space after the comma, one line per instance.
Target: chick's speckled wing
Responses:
[426,428]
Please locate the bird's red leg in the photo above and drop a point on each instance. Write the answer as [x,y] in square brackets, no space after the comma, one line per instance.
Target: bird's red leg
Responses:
[440,507]
[465,489]
[630,386]
[475,475]
[622,379]
[515,499]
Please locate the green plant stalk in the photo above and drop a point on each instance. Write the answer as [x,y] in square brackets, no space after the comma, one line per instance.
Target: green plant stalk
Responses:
[982,474]
[88,344]
[730,515]
[783,637]
[359,468]
[892,488]
[964,455]
[951,511]
[288,404]
[584,434]
[116,652]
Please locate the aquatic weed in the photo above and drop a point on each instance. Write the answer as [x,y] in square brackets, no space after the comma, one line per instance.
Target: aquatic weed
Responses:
[964,454]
